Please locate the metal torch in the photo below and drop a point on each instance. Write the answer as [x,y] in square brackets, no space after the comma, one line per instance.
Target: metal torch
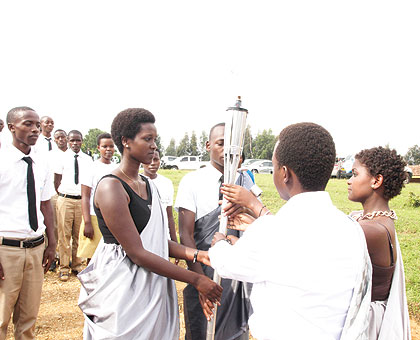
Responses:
[234,137]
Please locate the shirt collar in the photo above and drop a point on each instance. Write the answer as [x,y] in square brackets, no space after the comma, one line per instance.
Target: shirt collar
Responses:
[213,173]
[16,155]
[70,151]
[311,200]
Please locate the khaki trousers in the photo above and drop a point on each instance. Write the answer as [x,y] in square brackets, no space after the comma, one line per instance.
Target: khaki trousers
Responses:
[54,204]
[69,218]
[20,291]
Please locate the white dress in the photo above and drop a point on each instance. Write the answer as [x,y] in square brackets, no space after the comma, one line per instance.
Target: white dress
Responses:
[121,300]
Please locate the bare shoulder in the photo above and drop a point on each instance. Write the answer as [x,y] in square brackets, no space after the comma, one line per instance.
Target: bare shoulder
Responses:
[376,231]
[110,191]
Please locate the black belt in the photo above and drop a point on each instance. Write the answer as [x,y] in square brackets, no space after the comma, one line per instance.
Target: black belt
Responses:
[70,196]
[23,244]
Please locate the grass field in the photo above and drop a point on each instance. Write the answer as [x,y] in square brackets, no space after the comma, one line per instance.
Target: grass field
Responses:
[407,225]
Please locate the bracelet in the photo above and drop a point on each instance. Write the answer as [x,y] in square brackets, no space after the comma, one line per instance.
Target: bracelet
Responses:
[259,215]
[228,240]
[195,256]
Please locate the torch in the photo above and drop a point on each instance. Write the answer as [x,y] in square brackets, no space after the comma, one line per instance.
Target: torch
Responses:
[234,138]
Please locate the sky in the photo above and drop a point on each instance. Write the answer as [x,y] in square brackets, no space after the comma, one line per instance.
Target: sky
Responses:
[351,66]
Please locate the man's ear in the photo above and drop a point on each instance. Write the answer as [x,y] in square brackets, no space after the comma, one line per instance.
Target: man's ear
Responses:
[11,127]
[207,146]
[287,175]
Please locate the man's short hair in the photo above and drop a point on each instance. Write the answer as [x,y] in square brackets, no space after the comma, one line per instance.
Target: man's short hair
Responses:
[309,150]
[104,135]
[11,115]
[75,132]
[385,162]
[60,130]
[128,124]
[211,130]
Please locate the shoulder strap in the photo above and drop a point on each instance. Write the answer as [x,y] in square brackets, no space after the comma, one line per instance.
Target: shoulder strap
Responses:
[391,247]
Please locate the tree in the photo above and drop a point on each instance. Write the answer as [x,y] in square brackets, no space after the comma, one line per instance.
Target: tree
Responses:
[248,143]
[183,146]
[412,157]
[159,144]
[264,145]
[89,141]
[171,149]
[202,148]
[193,147]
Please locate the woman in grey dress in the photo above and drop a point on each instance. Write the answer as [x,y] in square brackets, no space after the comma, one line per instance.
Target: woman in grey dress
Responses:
[127,289]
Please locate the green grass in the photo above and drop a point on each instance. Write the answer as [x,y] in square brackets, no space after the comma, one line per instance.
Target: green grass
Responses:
[407,225]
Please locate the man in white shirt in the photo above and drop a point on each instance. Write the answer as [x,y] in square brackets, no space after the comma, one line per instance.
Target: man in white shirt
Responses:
[25,213]
[45,141]
[197,202]
[166,191]
[90,234]
[69,205]
[309,262]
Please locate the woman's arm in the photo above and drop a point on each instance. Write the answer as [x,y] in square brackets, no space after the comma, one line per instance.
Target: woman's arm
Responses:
[113,201]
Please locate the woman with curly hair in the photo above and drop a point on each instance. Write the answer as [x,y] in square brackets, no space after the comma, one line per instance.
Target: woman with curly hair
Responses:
[127,289]
[378,176]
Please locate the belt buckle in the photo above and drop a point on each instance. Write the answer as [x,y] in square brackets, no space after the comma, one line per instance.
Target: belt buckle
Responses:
[21,244]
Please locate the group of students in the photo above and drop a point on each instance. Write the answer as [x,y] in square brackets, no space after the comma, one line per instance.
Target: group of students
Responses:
[307,272]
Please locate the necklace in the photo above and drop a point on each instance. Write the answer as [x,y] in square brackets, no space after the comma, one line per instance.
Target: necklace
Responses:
[373,214]
[132,181]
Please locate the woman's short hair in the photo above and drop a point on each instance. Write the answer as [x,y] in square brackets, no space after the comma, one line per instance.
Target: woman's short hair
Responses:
[128,124]
[385,162]
[104,135]
[309,150]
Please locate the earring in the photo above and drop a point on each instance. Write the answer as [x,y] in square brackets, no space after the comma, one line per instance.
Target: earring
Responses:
[126,145]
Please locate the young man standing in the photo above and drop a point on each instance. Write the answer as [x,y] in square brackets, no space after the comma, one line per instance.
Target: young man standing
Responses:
[45,141]
[89,234]
[60,138]
[199,210]
[309,262]
[166,191]
[25,213]
[67,172]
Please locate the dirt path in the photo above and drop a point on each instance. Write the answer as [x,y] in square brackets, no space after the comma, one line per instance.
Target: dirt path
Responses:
[61,319]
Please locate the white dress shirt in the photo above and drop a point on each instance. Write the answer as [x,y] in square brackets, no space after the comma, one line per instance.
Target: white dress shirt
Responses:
[199,190]
[166,190]
[303,262]
[91,176]
[42,144]
[14,215]
[65,166]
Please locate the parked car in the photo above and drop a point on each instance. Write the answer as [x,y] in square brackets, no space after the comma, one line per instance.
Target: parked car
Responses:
[262,166]
[165,161]
[248,162]
[186,163]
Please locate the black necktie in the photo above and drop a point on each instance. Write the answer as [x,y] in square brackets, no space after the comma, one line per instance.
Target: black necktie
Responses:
[49,143]
[30,189]
[76,170]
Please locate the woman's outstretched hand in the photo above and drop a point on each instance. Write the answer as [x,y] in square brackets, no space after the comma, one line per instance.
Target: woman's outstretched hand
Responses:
[210,293]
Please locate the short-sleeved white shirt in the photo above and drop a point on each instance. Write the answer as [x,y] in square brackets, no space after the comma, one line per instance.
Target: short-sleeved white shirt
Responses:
[166,190]
[42,144]
[91,176]
[199,190]
[14,215]
[65,166]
